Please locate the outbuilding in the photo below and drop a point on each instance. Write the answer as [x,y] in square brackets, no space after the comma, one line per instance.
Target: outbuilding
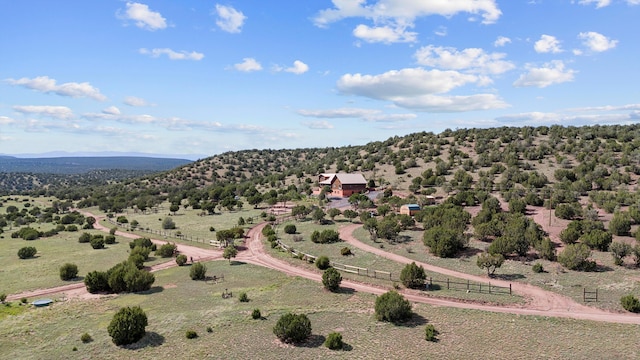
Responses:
[409,209]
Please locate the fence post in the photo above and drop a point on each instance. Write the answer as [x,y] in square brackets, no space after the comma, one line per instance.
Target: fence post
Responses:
[489,287]
[467,285]
[447,283]
[480,288]
[509,288]
[584,294]
[596,294]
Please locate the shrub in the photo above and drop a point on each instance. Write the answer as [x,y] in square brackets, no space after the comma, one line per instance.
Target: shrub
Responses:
[292,328]
[209,329]
[619,251]
[413,276]
[3,297]
[620,224]
[181,259]
[575,257]
[143,242]
[97,281]
[255,315]
[168,224]
[490,262]
[243,297]
[71,228]
[191,334]
[597,239]
[334,341]
[331,279]
[126,277]
[323,263]
[113,230]
[444,242]
[393,307]
[84,238]
[97,242]
[430,333]
[86,338]
[27,252]
[110,239]
[198,271]
[345,251]
[68,271]
[290,229]
[537,268]
[325,237]
[122,219]
[630,303]
[167,250]
[142,251]
[137,260]
[128,325]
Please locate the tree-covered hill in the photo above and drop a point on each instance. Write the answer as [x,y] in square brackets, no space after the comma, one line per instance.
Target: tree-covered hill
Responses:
[532,163]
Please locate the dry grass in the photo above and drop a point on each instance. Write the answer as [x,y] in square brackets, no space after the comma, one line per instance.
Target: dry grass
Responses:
[178,304]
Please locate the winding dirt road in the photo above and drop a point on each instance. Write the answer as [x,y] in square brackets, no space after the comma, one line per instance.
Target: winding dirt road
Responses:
[540,302]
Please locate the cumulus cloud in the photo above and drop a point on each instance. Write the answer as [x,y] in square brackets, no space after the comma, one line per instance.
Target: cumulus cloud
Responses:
[248,65]
[406,10]
[597,42]
[547,44]
[135,101]
[111,110]
[471,59]
[384,34]
[298,68]
[370,115]
[47,85]
[229,19]
[173,55]
[405,82]
[501,41]
[143,17]
[420,89]
[549,74]
[599,3]
[58,112]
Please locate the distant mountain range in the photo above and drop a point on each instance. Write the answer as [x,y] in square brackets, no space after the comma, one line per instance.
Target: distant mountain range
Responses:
[85,164]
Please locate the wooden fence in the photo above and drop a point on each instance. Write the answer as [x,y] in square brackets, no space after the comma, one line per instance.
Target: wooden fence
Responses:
[430,283]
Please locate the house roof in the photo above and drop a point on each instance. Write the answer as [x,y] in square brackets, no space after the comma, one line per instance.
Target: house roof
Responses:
[344,178]
[351,178]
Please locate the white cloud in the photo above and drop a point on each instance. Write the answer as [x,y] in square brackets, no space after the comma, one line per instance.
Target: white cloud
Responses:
[5,120]
[229,19]
[501,41]
[435,103]
[370,115]
[111,110]
[143,16]
[633,2]
[135,101]
[405,82]
[441,31]
[471,59]
[318,124]
[384,34]
[597,42]
[406,10]
[599,3]
[58,112]
[173,55]
[47,85]
[549,74]
[248,65]
[547,44]
[298,68]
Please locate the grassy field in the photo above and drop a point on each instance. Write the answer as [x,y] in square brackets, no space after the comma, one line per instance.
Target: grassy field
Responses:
[177,304]
[43,271]
[612,281]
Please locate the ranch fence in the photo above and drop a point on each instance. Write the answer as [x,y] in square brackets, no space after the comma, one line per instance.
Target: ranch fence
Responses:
[589,295]
[430,283]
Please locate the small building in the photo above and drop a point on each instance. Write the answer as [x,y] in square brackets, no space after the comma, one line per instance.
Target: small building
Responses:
[409,209]
[343,185]
[431,200]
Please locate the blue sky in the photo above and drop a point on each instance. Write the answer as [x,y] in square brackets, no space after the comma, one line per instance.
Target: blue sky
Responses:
[198,78]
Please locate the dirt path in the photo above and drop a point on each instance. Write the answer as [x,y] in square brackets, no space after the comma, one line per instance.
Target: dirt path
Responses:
[542,303]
